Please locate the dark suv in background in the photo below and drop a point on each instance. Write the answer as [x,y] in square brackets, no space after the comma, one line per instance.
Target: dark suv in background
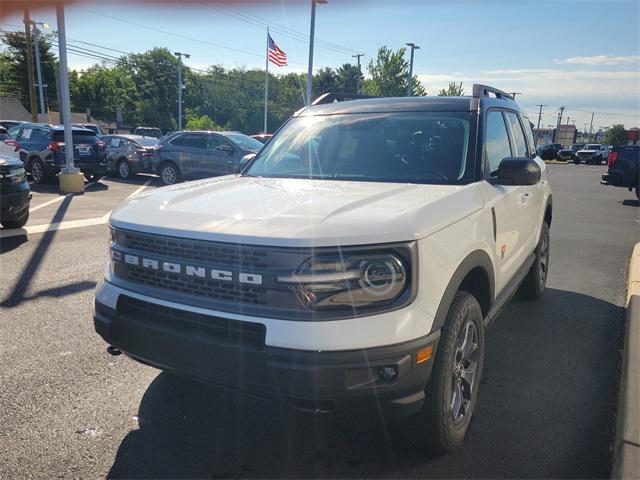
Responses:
[569,153]
[15,194]
[624,164]
[188,155]
[550,151]
[42,150]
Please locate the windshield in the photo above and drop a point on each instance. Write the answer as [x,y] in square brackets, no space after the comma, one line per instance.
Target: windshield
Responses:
[146,142]
[592,147]
[380,147]
[245,142]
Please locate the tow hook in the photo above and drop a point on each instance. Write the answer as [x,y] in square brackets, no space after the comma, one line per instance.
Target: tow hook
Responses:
[111,350]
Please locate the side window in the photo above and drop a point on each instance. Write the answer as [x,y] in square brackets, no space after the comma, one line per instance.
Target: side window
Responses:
[26,134]
[193,140]
[213,142]
[177,140]
[529,133]
[496,145]
[114,142]
[519,143]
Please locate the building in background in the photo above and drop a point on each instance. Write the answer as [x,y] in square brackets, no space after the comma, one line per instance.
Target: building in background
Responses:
[566,135]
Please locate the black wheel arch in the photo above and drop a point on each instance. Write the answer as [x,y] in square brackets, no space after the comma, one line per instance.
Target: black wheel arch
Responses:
[475,275]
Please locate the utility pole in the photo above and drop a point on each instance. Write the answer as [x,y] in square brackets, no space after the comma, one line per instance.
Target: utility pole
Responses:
[180,85]
[539,118]
[38,66]
[312,33]
[30,79]
[555,135]
[358,55]
[413,47]
[591,126]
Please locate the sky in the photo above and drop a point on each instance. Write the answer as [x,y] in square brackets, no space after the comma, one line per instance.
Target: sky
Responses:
[584,55]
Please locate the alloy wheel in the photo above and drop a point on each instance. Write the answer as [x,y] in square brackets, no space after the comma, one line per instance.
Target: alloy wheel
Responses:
[543,258]
[37,172]
[123,169]
[169,175]
[465,369]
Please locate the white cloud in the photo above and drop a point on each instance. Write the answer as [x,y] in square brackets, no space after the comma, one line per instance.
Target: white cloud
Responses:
[598,60]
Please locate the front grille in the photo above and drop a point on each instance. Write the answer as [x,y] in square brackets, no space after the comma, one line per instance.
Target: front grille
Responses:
[209,252]
[229,332]
[225,291]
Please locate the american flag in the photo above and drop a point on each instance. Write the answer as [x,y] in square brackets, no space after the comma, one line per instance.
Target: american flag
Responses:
[276,56]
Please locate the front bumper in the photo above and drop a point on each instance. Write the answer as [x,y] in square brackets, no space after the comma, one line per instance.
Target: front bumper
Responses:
[233,354]
[13,203]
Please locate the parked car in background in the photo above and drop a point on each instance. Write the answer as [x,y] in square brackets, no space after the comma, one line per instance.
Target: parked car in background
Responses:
[623,165]
[4,134]
[15,194]
[569,153]
[592,153]
[129,154]
[262,137]
[10,123]
[550,151]
[148,132]
[90,126]
[201,154]
[42,150]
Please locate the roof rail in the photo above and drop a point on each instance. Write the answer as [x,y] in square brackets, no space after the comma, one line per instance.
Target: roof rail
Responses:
[480,91]
[338,97]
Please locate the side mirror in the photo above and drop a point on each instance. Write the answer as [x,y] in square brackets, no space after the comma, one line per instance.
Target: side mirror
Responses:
[518,171]
[244,161]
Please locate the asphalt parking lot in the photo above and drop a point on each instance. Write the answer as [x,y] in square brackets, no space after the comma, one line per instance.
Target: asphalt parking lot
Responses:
[68,409]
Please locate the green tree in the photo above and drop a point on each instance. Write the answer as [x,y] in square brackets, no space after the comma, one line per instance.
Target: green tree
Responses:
[453,90]
[389,72]
[102,89]
[325,80]
[14,72]
[347,78]
[617,136]
[202,122]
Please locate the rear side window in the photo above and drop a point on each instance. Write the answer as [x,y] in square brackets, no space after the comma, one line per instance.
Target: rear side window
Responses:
[496,145]
[519,142]
[78,137]
[529,134]
[190,140]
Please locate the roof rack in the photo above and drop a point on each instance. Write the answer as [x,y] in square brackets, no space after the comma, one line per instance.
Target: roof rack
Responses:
[483,91]
[338,97]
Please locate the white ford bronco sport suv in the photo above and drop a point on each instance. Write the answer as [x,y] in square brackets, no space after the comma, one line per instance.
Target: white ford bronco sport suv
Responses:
[354,263]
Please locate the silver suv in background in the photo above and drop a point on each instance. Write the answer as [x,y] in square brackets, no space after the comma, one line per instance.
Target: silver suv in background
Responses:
[201,154]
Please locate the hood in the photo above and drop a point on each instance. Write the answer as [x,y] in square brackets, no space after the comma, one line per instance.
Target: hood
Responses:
[292,212]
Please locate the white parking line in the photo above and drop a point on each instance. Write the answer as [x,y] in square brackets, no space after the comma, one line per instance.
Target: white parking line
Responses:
[50,227]
[57,199]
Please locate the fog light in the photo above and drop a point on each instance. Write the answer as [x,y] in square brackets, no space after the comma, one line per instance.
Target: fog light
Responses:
[388,373]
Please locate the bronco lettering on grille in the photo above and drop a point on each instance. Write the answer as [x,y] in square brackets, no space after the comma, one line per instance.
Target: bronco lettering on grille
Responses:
[186,269]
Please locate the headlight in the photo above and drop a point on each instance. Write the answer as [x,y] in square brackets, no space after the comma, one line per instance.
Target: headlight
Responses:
[16,175]
[354,280]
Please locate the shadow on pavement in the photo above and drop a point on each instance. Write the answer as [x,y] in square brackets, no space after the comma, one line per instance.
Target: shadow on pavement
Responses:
[138,179]
[64,290]
[17,294]
[546,409]
[11,243]
[631,203]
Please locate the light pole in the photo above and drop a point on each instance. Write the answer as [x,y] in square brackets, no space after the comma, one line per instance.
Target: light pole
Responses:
[413,47]
[38,66]
[358,55]
[312,32]
[180,85]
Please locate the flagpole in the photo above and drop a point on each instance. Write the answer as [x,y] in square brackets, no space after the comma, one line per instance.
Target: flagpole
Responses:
[266,83]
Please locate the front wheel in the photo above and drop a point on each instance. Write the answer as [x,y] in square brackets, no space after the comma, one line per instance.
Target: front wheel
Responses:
[452,391]
[576,161]
[17,222]
[638,192]
[536,280]
[38,174]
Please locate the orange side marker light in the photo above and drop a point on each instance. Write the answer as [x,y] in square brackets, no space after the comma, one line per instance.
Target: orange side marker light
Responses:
[424,354]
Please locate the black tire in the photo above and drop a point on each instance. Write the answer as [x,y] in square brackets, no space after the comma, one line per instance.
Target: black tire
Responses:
[576,161]
[169,173]
[17,222]
[37,171]
[638,192]
[535,282]
[91,177]
[436,425]
[123,169]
